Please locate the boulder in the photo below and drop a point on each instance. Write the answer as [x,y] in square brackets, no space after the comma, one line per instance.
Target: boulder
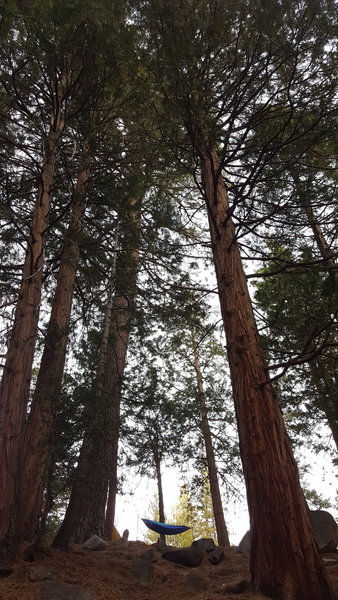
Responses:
[122,542]
[57,590]
[245,544]
[206,544]
[40,573]
[215,556]
[324,527]
[325,530]
[237,586]
[188,557]
[95,543]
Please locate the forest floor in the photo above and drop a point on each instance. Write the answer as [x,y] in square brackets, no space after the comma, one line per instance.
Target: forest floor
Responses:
[111,575]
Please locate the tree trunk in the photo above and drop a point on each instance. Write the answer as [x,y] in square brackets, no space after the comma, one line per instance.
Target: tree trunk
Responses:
[14,388]
[113,380]
[221,529]
[285,562]
[96,470]
[39,429]
[161,515]
[112,491]
[327,394]
[322,245]
[318,234]
[319,368]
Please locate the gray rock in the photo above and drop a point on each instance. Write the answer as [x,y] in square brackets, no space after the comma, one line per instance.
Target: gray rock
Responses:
[206,544]
[238,586]
[122,542]
[57,590]
[325,530]
[39,573]
[143,570]
[245,544]
[215,556]
[188,557]
[95,543]
[195,582]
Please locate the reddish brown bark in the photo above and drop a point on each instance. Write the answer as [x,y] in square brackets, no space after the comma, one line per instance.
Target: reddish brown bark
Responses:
[221,529]
[97,462]
[285,562]
[39,428]
[14,388]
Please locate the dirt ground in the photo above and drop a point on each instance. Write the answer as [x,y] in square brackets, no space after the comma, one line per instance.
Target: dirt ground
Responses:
[111,575]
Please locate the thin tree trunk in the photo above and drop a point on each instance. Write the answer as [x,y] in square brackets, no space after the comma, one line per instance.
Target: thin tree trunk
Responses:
[327,394]
[326,388]
[161,514]
[285,562]
[318,234]
[221,529]
[97,462]
[14,388]
[112,490]
[39,429]
[319,368]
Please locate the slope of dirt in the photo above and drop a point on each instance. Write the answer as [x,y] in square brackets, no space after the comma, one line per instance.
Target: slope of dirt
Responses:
[111,575]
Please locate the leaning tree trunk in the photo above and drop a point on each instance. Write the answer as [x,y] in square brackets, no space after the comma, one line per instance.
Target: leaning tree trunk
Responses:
[285,562]
[319,367]
[321,242]
[14,388]
[221,529]
[326,388]
[327,392]
[39,429]
[85,514]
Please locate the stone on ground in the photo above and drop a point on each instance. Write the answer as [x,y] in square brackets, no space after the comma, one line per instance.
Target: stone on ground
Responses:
[325,530]
[206,544]
[57,590]
[95,543]
[188,557]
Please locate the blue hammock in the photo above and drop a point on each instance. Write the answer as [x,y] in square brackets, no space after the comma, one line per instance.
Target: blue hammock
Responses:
[164,528]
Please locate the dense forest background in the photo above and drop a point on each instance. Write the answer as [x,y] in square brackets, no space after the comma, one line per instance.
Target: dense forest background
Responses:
[168,266]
